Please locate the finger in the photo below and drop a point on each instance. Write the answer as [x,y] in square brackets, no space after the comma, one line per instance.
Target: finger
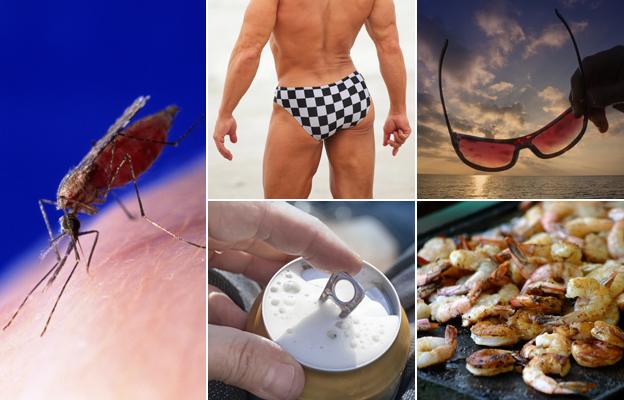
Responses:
[223,311]
[233,135]
[253,246]
[395,151]
[398,137]
[599,118]
[404,135]
[386,138]
[394,144]
[252,363]
[605,95]
[284,227]
[576,93]
[220,142]
[259,269]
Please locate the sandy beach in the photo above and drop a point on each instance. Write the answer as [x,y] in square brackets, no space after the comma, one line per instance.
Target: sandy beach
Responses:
[242,177]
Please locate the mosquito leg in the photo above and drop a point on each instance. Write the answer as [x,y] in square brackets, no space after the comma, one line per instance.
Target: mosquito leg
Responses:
[59,297]
[47,223]
[123,207]
[97,236]
[164,142]
[60,265]
[128,159]
[29,294]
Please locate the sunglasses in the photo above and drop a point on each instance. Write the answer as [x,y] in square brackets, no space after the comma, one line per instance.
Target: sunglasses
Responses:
[493,155]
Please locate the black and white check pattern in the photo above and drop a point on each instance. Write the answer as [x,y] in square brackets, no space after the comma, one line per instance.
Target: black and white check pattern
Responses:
[324,110]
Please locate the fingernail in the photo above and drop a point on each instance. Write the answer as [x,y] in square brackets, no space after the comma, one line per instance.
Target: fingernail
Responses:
[279,379]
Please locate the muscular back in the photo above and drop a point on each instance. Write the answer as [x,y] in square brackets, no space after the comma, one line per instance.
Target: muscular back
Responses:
[312,39]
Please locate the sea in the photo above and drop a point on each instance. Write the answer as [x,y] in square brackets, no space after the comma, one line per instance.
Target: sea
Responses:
[519,187]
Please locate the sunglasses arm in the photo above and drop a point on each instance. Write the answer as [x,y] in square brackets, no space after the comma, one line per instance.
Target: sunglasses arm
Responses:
[448,123]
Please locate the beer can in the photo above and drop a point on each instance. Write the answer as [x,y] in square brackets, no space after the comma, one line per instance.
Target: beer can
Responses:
[360,356]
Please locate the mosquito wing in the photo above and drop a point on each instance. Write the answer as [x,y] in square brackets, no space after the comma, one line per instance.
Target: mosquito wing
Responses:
[125,118]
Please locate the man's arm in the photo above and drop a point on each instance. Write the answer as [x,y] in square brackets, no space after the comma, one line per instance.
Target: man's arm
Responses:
[382,28]
[257,26]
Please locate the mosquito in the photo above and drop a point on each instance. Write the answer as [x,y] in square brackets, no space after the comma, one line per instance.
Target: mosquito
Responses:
[118,158]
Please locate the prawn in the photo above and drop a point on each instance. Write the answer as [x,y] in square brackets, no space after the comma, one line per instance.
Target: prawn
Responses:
[437,248]
[435,350]
[490,362]
[608,333]
[493,333]
[595,353]
[535,375]
[615,240]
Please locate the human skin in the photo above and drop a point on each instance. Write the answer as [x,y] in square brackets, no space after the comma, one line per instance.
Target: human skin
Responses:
[136,327]
[256,239]
[311,43]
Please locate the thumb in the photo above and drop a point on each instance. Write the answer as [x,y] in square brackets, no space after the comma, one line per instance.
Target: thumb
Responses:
[252,363]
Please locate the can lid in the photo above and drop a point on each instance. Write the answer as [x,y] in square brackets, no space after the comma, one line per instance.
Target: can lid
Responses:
[298,318]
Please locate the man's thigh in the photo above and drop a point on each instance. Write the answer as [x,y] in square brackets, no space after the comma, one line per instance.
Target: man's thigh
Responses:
[291,157]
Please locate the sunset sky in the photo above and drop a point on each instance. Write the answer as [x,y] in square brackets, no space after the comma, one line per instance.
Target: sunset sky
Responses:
[507,73]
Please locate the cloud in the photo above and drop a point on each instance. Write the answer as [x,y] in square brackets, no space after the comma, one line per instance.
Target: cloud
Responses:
[593,4]
[555,99]
[463,69]
[554,36]
[502,29]
[501,87]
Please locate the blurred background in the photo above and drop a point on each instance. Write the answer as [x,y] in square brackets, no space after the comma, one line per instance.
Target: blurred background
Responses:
[68,70]
[242,177]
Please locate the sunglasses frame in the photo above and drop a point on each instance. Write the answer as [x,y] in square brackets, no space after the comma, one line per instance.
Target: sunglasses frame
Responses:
[521,142]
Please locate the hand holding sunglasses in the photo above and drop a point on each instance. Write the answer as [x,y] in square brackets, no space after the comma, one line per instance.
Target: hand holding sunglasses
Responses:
[554,139]
[604,77]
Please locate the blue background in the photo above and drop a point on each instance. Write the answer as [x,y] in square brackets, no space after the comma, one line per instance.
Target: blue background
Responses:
[67,70]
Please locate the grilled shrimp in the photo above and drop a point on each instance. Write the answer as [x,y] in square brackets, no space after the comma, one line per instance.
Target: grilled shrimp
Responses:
[563,251]
[538,304]
[582,226]
[555,272]
[444,308]
[526,326]
[435,350]
[534,375]
[615,240]
[485,268]
[423,310]
[490,362]
[493,333]
[576,330]
[424,325]
[436,249]
[432,271]
[595,248]
[592,299]
[608,333]
[594,353]
[478,313]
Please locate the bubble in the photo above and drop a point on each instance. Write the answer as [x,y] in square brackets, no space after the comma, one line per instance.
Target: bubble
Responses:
[332,334]
[275,302]
[339,324]
[357,334]
[289,331]
[288,275]
[282,310]
[291,287]
[375,338]
[353,344]
[290,301]
[273,289]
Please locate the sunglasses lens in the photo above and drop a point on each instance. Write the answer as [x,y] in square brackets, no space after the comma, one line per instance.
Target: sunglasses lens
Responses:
[486,154]
[558,136]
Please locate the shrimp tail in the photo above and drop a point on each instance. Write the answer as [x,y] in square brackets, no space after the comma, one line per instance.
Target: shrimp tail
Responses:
[575,387]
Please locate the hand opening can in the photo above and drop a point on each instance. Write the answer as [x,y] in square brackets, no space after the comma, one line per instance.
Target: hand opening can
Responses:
[357,356]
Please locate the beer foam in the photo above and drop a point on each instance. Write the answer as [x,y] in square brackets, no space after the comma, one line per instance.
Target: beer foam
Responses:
[314,334]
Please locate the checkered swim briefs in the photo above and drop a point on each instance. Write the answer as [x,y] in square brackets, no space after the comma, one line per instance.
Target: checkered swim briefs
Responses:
[324,110]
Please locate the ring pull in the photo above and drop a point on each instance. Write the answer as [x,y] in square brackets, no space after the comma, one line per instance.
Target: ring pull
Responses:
[346,307]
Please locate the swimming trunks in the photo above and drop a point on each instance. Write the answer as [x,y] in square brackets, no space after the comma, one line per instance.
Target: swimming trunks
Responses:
[324,110]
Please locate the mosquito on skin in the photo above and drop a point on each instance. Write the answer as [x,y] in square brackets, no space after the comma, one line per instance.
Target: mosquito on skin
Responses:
[115,160]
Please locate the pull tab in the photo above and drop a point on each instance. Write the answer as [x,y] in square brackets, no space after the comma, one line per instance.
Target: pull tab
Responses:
[346,307]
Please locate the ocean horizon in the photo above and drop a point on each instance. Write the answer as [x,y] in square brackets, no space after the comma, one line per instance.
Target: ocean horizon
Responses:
[431,186]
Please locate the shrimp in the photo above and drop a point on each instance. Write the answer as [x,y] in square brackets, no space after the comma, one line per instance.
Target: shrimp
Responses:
[493,333]
[546,288]
[555,271]
[594,353]
[431,272]
[529,223]
[611,275]
[567,252]
[423,310]
[615,240]
[486,267]
[592,299]
[616,214]
[436,249]
[620,301]
[526,326]
[538,304]
[582,226]
[576,330]
[595,248]
[435,350]
[490,362]
[423,325]
[534,375]
[608,333]
[445,308]
[467,259]
[478,313]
